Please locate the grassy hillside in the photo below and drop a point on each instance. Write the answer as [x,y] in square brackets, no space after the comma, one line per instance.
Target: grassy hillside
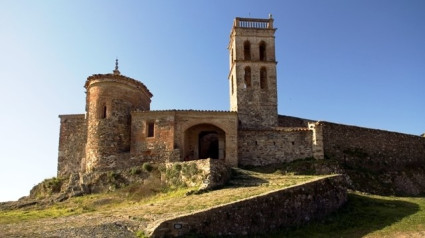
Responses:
[128,212]
[133,207]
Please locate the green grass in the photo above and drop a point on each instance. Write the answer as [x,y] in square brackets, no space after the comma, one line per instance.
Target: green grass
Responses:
[362,216]
[367,215]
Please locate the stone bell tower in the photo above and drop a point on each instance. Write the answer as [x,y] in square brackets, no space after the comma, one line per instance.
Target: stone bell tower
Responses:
[252,77]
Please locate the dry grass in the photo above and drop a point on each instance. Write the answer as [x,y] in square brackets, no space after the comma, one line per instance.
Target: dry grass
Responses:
[138,213]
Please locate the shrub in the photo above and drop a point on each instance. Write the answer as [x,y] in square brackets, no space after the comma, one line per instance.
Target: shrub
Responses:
[135,170]
[141,234]
[190,169]
[147,167]
[53,185]
[177,167]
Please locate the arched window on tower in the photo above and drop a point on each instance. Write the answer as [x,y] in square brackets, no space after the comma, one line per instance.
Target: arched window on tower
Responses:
[262,48]
[247,50]
[247,77]
[263,78]
[102,112]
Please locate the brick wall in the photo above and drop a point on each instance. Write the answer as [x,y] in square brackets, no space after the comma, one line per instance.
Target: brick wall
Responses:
[160,146]
[176,134]
[72,141]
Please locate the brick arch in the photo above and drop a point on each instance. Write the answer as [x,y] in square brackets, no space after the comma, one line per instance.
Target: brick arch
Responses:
[203,141]
[202,121]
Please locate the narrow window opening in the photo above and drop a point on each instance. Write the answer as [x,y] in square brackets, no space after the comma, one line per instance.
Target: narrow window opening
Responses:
[293,143]
[247,78]
[247,50]
[262,51]
[104,112]
[151,129]
[263,78]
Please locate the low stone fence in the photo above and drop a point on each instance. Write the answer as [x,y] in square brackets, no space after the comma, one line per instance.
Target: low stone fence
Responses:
[285,207]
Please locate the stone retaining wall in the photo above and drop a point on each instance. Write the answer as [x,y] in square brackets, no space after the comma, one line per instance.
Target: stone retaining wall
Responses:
[286,207]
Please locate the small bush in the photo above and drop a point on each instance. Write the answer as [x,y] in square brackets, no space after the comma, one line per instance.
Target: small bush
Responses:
[190,169]
[112,176]
[177,167]
[141,234]
[162,168]
[53,185]
[135,170]
[147,167]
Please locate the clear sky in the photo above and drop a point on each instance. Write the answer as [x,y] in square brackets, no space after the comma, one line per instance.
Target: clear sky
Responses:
[356,62]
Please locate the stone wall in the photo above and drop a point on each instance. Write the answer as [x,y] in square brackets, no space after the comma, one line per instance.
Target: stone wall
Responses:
[72,141]
[282,208]
[371,147]
[262,147]
[288,121]
[206,174]
[393,163]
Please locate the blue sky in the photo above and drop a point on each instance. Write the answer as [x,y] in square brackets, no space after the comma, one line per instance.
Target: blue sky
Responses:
[357,62]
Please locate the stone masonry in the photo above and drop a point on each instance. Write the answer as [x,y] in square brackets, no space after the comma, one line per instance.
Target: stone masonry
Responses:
[119,129]
[287,207]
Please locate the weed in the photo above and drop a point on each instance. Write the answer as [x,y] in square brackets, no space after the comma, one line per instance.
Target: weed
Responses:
[141,234]
[147,167]
[177,167]
[190,169]
[135,170]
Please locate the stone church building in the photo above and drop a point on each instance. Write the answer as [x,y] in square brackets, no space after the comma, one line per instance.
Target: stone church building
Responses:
[119,129]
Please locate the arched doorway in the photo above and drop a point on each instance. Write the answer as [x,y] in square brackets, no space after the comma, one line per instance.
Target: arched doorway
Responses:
[204,141]
[208,145]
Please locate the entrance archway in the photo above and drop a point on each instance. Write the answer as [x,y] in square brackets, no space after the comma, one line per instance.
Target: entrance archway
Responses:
[208,145]
[204,141]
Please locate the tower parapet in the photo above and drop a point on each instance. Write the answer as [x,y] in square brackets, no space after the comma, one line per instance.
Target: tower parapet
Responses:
[109,101]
